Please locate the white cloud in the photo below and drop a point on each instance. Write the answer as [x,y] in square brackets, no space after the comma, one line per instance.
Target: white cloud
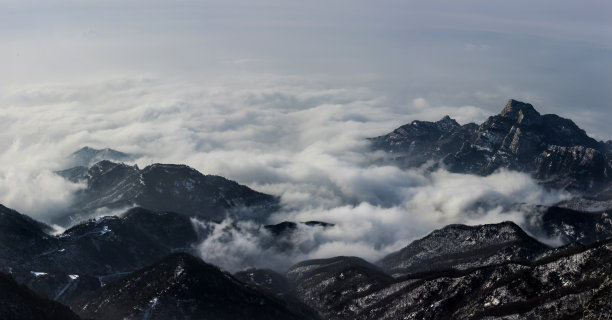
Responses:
[297,137]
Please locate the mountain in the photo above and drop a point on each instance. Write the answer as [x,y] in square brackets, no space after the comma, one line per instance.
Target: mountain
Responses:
[459,272]
[569,225]
[461,247]
[21,237]
[17,302]
[334,286]
[86,156]
[570,282]
[552,149]
[120,244]
[163,187]
[103,250]
[278,286]
[180,286]
[93,253]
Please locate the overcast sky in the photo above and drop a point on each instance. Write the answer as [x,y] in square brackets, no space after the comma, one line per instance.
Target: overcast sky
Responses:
[280,95]
[555,54]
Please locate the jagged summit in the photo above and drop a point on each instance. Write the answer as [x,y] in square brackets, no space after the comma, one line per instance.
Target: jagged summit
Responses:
[520,111]
[552,149]
[447,123]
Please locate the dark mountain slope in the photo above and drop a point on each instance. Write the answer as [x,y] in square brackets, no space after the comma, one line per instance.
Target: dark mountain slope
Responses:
[463,247]
[21,237]
[164,187]
[96,252]
[17,302]
[278,286]
[563,283]
[180,287]
[333,286]
[569,225]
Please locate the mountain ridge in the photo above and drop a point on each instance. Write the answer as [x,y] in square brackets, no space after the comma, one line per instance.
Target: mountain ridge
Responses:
[162,187]
[554,150]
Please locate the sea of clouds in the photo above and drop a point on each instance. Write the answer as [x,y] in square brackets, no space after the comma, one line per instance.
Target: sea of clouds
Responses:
[302,139]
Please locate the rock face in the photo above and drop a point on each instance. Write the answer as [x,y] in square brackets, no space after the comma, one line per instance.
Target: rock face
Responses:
[180,286]
[571,282]
[553,149]
[164,187]
[461,247]
[19,302]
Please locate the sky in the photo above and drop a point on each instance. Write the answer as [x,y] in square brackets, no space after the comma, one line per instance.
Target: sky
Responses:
[280,96]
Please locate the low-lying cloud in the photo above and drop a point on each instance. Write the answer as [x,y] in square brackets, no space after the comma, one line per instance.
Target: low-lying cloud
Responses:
[303,139]
[421,202]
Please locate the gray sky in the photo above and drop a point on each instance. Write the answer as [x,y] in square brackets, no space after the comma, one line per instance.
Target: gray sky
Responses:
[554,54]
[280,95]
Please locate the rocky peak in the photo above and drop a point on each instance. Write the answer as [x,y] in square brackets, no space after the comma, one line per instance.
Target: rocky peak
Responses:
[106,166]
[519,138]
[521,112]
[447,123]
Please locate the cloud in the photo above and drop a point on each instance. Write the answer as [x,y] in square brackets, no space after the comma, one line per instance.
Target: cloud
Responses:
[423,202]
[300,138]
[28,184]
[282,96]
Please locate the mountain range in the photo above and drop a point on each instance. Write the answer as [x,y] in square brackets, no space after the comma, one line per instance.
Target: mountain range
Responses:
[552,149]
[162,187]
[143,262]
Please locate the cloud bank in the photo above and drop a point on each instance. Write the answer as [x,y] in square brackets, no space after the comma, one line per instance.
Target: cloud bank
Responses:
[418,204]
[281,96]
[303,139]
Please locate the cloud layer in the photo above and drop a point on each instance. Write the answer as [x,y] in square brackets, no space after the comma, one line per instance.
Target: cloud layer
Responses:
[281,96]
[299,138]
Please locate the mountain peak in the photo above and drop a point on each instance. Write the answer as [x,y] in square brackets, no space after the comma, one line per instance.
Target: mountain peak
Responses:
[447,123]
[521,112]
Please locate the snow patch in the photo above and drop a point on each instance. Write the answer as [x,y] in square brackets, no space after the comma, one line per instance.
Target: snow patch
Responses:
[104,230]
